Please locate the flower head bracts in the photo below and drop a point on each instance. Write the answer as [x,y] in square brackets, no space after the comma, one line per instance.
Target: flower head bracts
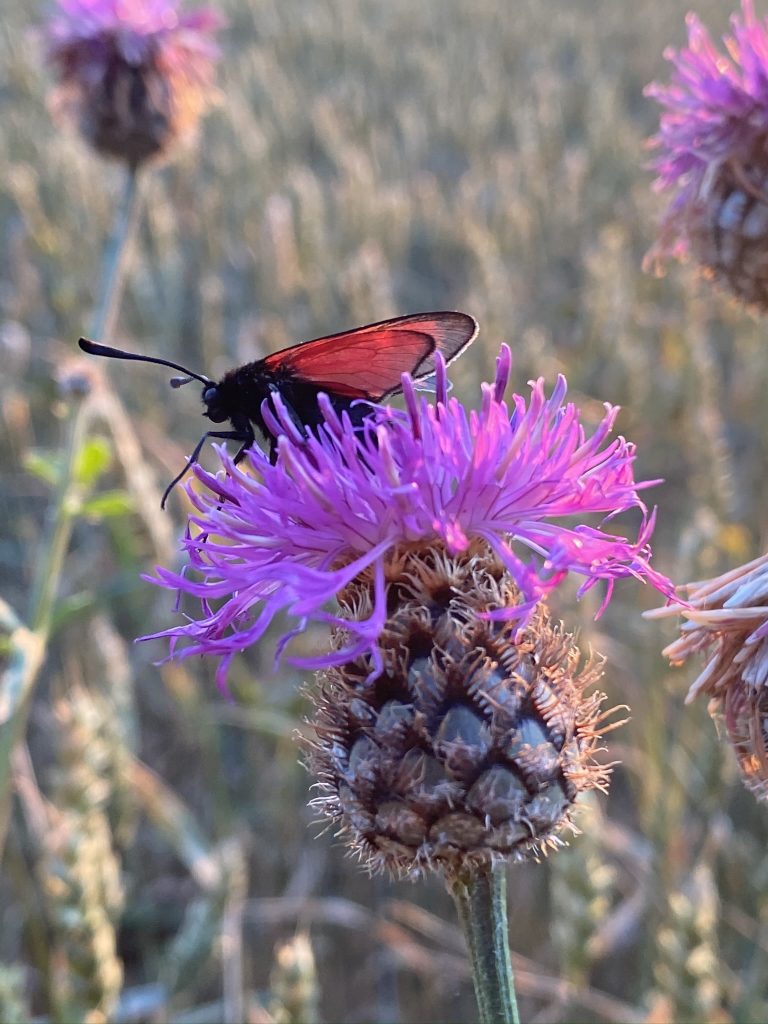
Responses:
[727,619]
[343,502]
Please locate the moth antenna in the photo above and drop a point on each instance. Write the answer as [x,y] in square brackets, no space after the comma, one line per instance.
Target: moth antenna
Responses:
[94,348]
[179,382]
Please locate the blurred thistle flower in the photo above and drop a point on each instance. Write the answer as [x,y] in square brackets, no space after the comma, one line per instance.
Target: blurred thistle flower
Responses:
[727,620]
[134,75]
[435,477]
[713,153]
[475,740]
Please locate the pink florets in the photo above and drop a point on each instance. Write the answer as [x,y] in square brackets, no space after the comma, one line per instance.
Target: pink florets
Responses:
[87,19]
[290,538]
[136,26]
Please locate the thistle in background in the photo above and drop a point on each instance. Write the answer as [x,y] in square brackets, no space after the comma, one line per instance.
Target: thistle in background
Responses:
[134,75]
[712,154]
[453,727]
[726,619]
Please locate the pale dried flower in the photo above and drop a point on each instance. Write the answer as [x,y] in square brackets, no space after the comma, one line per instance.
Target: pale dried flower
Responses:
[726,619]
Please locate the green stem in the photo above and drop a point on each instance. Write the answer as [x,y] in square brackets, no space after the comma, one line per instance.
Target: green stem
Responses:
[63,512]
[115,261]
[59,526]
[480,895]
[28,645]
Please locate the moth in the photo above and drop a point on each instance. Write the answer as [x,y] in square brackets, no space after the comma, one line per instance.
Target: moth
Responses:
[353,368]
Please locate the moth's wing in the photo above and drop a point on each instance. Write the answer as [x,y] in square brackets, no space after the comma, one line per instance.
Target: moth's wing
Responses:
[368,362]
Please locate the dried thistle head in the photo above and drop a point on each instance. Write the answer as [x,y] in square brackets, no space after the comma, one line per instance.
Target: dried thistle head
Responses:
[713,156]
[473,743]
[726,618]
[133,77]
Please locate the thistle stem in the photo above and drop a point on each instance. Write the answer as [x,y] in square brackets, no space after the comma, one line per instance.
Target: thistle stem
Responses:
[115,259]
[481,900]
[28,645]
[62,513]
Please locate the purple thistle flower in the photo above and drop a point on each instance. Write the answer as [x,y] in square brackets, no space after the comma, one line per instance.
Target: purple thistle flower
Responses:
[712,152]
[345,502]
[134,75]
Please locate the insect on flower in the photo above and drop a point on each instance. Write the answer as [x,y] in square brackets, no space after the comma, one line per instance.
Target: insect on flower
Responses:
[364,365]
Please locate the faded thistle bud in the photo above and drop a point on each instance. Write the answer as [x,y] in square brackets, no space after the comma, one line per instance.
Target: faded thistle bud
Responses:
[726,618]
[713,156]
[472,744]
[134,77]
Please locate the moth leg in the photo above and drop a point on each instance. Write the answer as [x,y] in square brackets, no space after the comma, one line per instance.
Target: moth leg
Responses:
[245,446]
[224,435]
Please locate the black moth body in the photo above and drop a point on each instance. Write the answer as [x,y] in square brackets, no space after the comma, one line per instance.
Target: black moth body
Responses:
[240,394]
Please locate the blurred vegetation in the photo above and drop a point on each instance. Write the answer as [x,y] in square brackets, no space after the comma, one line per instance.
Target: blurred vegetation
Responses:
[365,159]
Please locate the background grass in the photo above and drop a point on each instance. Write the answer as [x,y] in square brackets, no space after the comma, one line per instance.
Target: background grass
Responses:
[367,159]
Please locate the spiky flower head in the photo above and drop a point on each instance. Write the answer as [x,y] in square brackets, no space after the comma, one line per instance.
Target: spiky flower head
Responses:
[345,503]
[726,619]
[474,741]
[712,154]
[134,75]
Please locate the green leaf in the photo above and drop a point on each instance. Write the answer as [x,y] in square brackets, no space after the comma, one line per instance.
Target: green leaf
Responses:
[108,505]
[46,466]
[92,461]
